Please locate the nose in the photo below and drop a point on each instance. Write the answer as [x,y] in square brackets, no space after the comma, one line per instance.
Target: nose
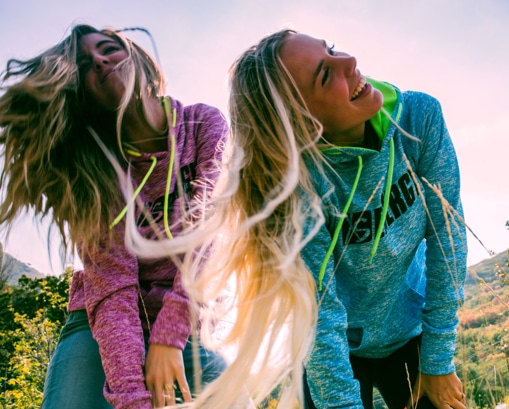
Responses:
[350,65]
[99,61]
[347,63]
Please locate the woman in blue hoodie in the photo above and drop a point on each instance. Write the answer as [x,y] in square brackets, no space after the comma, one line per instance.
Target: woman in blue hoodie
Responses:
[344,227]
[339,215]
[389,261]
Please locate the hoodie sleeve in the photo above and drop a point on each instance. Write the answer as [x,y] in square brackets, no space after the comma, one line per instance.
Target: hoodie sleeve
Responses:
[330,352]
[111,291]
[438,170]
[208,128]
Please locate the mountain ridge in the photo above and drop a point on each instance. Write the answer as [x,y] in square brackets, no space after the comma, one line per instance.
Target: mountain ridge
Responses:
[12,269]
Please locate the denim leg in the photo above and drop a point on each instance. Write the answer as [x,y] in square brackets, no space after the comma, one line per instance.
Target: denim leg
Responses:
[75,377]
[212,364]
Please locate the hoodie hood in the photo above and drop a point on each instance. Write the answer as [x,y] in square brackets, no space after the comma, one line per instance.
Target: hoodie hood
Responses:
[380,122]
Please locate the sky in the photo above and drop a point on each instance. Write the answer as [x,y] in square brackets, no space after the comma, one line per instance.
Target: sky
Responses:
[455,50]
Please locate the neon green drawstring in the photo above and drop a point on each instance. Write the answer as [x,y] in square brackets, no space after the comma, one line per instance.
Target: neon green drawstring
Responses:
[388,183]
[138,190]
[339,225]
[385,206]
[166,105]
[172,161]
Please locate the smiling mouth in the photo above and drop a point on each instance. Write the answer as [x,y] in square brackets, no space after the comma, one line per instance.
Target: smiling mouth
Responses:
[106,75]
[361,87]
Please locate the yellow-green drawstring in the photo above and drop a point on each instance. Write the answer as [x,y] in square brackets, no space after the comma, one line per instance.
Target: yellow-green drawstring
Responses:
[385,206]
[387,194]
[138,190]
[340,224]
[167,106]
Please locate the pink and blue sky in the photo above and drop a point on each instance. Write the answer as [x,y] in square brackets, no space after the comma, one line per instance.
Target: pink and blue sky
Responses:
[455,50]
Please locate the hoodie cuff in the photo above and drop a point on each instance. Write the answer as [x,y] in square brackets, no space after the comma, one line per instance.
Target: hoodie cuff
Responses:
[437,353]
[172,326]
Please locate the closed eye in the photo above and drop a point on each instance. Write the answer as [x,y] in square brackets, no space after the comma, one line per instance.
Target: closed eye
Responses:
[325,76]
[108,46]
[110,49]
[326,71]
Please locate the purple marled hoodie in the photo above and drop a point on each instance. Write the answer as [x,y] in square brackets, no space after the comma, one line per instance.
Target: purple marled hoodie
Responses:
[109,287]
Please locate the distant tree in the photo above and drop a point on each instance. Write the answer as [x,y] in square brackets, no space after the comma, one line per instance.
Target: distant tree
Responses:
[34,344]
[49,293]
[31,316]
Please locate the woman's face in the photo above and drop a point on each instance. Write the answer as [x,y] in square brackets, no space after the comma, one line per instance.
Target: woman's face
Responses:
[98,60]
[335,92]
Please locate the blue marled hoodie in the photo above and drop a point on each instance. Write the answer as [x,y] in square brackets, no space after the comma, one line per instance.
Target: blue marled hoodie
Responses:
[414,283]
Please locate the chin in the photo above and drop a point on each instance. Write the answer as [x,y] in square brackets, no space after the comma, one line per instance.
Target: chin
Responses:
[378,97]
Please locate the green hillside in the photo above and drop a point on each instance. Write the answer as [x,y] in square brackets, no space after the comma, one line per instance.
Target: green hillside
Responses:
[12,269]
[483,342]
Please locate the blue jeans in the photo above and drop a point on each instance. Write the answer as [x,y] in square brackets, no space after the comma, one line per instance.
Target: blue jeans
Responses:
[75,377]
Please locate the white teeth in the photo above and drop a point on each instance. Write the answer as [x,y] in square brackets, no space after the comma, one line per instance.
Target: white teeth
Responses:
[360,87]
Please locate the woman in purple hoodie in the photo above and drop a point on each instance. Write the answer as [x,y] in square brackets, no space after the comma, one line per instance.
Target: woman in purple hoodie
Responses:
[67,117]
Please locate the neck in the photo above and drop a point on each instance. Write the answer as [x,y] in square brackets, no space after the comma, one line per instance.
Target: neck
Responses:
[350,137]
[149,135]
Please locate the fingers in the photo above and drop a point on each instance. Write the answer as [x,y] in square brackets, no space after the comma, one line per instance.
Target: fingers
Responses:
[169,394]
[443,402]
[166,394]
[164,372]
[184,387]
[457,402]
[159,394]
[461,402]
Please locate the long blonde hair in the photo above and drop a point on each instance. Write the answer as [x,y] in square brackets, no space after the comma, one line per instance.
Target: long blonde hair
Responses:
[265,210]
[52,164]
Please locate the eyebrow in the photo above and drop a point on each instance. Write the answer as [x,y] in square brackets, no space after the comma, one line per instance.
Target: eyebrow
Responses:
[83,56]
[102,42]
[319,68]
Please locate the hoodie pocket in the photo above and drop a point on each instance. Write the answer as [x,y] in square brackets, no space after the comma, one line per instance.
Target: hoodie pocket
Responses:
[354,336]
[405,316]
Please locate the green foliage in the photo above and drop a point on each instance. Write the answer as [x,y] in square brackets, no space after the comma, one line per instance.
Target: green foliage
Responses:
[483,339]
[31,316]
[33,311]
[34,344]
[502,271]
[49,293]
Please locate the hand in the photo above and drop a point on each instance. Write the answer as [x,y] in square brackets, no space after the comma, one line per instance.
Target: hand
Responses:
[444,391]
[163,366]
